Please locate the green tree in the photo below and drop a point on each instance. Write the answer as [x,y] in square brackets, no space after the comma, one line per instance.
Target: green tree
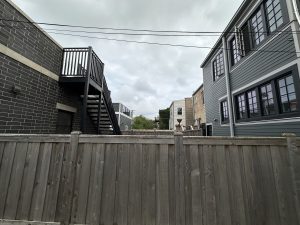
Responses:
[164,116]
[142,123]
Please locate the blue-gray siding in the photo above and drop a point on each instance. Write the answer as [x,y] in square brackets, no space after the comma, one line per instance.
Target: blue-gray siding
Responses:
[213,91]
[267,59]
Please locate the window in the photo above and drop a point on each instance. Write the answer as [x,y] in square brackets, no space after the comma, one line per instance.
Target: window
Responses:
[252,103]
[257,28]
[241,106]
[179,111]
[288,100]
[274,14]
[267,100]
[235,55]
[218,66]
[271,100]
[224,111]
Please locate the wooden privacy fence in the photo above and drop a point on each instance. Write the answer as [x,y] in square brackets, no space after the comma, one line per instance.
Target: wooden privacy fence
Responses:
[141,180]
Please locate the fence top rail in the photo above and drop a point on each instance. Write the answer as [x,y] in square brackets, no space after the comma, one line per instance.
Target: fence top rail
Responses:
[149,139]
[237,141]
[127,139]
[54,138]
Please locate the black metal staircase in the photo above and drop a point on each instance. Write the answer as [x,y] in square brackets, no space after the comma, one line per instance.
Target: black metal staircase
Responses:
[83,70]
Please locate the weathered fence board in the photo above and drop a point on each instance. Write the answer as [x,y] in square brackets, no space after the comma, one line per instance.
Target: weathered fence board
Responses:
[135,180]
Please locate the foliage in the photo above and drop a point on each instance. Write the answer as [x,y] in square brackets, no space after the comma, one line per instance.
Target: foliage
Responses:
[164,116]
[142,123]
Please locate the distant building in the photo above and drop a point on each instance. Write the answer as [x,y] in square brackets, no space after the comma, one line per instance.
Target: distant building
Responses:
[199,108]
[181,110]
[124,116]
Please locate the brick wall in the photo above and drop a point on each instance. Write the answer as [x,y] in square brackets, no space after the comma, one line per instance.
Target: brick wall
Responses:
[27,39]
[33,110]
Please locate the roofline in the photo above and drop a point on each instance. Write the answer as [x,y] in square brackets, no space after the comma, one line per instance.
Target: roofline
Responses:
[226,30]
[201,86]
[33,22]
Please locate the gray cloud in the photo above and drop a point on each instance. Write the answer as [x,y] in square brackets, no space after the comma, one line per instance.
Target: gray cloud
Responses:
[143,77]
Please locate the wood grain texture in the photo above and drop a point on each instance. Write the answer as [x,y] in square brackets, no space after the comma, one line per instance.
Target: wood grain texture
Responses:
[109,185]
[40,183]
[5,173]
[53,182]
[14,187]
[28,181]
[94,201]
[135,185]
[184,181]
[122,188]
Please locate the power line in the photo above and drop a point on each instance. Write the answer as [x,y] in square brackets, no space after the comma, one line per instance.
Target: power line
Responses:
[137,42]
[167,44]
[132,30]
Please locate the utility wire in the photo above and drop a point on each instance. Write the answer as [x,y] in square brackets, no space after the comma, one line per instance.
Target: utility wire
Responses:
[132,41]
[166,44]
[132,30]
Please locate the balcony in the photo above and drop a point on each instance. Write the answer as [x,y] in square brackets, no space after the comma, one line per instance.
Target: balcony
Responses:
[82,70]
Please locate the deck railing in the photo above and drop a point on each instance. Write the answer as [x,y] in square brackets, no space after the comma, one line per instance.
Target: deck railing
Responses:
[75,64]
[78,62]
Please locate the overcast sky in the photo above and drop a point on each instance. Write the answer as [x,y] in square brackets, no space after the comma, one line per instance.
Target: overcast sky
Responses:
[145,78]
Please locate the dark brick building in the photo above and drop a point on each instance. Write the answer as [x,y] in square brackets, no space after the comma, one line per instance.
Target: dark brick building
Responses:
[33,98]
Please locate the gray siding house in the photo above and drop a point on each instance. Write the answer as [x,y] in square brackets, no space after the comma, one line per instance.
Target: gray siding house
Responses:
[251,76]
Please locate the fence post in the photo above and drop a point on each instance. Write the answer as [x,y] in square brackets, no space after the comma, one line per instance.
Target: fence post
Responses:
[294,158]
[179,179]
[68,190]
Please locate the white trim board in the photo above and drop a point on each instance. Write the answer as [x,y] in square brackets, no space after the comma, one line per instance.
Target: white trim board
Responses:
[64,107]
[286,66]
[18,57]
[262,122]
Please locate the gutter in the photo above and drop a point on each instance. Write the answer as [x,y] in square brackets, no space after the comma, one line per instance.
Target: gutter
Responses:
[296,11]
[228,87]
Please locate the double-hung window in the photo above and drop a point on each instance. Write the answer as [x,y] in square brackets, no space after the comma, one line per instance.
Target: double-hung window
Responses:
[234,51]
[267,99]
[179,111]
[252,103]
[224,111]
[274,14]
[288,100]
[218,66]
[257,28]
[241,101]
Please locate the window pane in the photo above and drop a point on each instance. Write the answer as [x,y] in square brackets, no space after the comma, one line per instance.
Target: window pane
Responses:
[218,66]
[274,14]
[241,106]
[257,29]
[252,103]
[267,100]
[235,55]
[287,94]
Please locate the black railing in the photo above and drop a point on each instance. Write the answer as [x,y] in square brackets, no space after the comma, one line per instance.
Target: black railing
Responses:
[110,108]
[78,62]
[75,64]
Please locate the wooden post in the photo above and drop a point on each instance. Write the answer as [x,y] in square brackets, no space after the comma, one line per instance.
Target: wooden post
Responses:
[294,158]
[64,207]
[179,184]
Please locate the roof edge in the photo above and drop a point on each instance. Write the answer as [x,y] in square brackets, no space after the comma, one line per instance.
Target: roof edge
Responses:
[226,30]
[33,22]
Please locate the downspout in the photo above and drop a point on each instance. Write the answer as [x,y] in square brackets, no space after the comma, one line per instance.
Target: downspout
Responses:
[296,10]
[229,99]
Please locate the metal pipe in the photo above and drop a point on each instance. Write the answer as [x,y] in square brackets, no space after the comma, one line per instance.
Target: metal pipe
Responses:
[229,99]
[296,10]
